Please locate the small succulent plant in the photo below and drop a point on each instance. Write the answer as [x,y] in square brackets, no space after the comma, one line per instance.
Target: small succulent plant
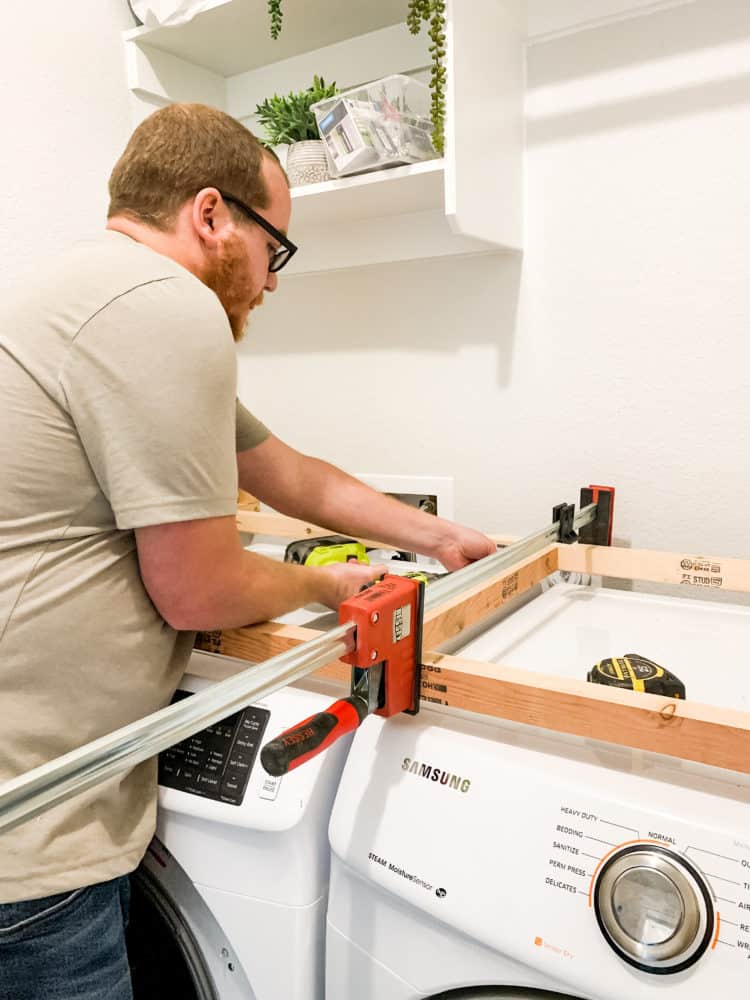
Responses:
[289,119]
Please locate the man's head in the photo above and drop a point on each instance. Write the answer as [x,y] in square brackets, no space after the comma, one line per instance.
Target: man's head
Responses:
[184,185]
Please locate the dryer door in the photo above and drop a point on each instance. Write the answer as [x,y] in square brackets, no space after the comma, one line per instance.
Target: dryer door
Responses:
[164,956]
[175,945]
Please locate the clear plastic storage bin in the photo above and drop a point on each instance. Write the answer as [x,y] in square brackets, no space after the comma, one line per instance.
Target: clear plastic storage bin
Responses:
[380,124]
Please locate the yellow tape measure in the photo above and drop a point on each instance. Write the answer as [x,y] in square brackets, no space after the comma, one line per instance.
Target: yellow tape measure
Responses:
[637,673]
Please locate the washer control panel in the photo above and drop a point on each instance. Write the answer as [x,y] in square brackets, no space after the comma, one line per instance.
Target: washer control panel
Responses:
[654,908]
[216,762]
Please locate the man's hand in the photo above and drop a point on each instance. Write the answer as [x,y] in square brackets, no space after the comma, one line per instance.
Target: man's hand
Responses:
[341,581]
[463,546]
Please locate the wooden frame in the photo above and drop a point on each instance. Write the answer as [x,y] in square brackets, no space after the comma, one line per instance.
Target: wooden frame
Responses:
[683,729]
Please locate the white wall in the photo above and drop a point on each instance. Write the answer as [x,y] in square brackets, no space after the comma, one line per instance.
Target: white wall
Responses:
[65,120]
[616,351]
[628,361]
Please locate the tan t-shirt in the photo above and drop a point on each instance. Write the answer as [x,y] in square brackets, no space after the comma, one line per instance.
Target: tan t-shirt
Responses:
[118,410]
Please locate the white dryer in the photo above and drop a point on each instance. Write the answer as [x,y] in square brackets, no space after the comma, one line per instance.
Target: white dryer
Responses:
[230,900]
[492,859]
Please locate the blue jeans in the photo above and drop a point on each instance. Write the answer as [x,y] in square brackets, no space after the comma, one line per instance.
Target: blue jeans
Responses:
[67,947]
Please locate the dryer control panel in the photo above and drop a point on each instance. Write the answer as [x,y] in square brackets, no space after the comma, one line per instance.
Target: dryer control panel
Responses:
[216,762]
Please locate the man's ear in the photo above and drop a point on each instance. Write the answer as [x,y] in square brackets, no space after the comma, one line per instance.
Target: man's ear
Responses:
[209,215]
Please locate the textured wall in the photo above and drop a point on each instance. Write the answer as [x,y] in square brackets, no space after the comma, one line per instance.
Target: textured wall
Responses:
[65,118]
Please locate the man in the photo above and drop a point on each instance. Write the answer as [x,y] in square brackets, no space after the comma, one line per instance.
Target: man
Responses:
[122,449]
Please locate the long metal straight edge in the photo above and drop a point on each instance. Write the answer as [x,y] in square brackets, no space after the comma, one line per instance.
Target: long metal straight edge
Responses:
[38,790]
[485,569]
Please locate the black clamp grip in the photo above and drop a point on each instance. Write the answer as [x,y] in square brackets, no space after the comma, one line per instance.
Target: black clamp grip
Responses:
[599,531]
[309,738]
[565,513]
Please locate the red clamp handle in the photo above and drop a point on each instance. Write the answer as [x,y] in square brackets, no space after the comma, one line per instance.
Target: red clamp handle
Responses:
[308,738]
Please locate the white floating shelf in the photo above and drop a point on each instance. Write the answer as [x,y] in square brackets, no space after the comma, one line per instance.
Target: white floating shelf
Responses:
[415,188]
[381,217]
[470,202]
[232,36]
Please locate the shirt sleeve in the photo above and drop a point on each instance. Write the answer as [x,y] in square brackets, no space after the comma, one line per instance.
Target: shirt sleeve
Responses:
[150,384]
[250,430]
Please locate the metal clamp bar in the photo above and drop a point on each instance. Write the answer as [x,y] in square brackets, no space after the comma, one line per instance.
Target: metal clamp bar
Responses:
[485,569]
[32,793]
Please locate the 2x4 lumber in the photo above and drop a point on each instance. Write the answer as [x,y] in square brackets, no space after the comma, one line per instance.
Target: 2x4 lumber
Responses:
[246,501]
[256,522]
[472,606]
[256,643]
[683,729]
[708,572]
[279,526]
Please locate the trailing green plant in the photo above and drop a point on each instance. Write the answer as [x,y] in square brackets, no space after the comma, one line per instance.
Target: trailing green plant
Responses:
[432,12]
[418,11]
[274,12]
[289,119]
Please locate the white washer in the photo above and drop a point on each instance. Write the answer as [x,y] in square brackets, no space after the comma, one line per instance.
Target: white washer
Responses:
[230,900]
[501,860]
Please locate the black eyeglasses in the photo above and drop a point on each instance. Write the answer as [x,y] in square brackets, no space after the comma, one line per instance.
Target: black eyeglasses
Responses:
[285,252]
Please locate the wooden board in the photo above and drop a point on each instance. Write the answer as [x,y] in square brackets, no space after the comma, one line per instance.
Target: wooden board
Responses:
[247,502]
[707,572]
[277,525]
[254,643]
[474,605]
[683,729]
[253,521]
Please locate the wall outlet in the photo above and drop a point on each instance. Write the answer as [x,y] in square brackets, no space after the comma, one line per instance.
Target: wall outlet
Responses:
[415,489]
[431,493]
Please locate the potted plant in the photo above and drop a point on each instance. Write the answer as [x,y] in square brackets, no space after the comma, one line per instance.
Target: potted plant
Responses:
[289,121]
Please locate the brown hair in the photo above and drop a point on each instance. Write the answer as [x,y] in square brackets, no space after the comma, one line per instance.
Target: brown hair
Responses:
[176,152]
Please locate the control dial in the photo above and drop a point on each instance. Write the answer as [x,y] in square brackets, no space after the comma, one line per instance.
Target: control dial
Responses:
[654,908]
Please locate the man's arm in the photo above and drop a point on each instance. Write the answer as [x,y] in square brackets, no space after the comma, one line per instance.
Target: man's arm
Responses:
[312,490]
[199,577]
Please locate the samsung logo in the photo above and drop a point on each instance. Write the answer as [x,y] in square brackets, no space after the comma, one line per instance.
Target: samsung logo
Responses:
[436,774]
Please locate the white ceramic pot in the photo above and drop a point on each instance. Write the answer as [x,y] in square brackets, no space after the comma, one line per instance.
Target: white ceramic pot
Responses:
[306,163]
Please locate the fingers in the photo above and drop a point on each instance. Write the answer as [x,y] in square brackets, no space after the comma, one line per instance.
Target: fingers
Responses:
[377,571]
[344,580]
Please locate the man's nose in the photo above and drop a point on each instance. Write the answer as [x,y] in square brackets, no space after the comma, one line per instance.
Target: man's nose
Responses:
[272,281]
